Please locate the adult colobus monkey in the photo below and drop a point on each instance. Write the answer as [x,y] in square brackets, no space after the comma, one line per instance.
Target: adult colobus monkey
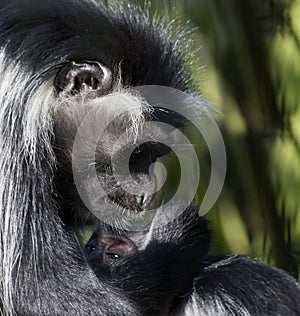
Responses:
[58,58]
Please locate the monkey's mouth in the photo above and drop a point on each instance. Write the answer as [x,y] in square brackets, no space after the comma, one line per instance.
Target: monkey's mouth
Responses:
[132,202]
[137,190]
[117,194]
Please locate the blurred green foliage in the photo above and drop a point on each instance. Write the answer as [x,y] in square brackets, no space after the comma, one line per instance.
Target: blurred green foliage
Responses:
[248,65]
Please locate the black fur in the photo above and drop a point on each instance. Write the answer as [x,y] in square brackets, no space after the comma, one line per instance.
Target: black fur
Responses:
[51,33]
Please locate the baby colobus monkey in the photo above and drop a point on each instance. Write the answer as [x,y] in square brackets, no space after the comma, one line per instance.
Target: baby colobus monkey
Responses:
[111,251]
[223,285]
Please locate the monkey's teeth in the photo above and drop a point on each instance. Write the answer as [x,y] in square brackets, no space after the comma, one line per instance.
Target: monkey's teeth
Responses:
[141,200]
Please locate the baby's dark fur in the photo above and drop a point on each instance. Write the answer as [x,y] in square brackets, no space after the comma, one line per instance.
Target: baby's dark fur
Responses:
[224,285]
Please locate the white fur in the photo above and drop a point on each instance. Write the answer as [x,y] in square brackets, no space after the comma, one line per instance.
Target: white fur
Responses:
[219,305]
[24,98]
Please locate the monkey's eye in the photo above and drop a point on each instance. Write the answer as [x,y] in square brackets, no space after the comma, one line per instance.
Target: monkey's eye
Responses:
[111,256]
[90,248]
[88,77]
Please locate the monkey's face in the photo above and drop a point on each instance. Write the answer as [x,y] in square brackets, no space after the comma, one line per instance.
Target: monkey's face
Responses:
[76,69]
[105,248]
[99,136]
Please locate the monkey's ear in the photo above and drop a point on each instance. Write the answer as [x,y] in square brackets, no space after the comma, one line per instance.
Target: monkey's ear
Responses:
[88,77]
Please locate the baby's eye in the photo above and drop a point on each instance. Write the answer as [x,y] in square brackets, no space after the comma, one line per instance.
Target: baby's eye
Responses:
[111,256]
